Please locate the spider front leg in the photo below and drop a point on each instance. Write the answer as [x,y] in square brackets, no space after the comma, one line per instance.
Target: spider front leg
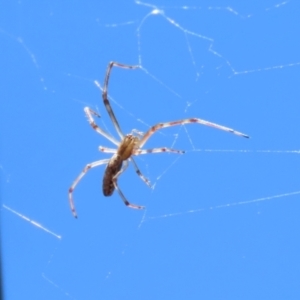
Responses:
[76,181]
[104,94]
[158,126]
[114,179]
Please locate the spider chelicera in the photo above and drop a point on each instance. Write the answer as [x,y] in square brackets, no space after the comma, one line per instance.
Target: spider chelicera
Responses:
[130,145]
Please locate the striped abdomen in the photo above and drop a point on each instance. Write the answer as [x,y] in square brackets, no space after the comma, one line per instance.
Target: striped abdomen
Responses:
[113,167]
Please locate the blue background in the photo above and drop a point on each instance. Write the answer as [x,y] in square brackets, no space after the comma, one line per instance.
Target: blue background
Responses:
[222,221]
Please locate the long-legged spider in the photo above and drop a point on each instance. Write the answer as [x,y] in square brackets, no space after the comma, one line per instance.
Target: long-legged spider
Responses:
[129,145]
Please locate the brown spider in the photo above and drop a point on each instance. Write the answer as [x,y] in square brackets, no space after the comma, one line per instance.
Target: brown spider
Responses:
[129,146]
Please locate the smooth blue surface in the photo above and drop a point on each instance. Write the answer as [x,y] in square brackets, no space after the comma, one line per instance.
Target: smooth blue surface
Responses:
[222,221]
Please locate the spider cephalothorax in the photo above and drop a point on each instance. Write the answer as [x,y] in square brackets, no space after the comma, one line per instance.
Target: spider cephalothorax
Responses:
[129,146]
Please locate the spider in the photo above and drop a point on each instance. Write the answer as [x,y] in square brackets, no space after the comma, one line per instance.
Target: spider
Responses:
[129,146]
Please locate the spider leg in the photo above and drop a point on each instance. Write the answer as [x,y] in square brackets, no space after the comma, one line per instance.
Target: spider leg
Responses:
[107,150]
[115,178]
[76,181]
[139,173]
[158,126]
[157,150]
[146,151]
[89,112]
[105,98]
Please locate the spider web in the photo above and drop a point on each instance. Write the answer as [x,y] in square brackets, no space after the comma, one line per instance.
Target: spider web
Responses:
[219,217]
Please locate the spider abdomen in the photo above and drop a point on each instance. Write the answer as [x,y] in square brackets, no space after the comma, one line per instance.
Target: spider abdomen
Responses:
[113,167]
